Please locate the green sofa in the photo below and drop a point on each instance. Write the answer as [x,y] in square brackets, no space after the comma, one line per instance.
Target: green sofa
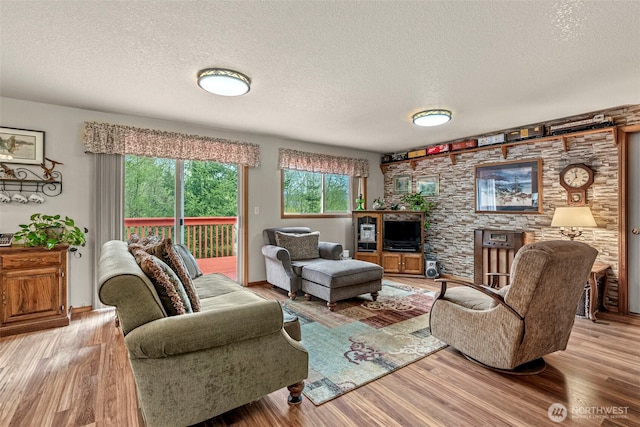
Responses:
[191,367]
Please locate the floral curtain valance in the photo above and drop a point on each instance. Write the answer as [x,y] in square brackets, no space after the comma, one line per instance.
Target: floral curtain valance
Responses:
[312,162]
[115,139]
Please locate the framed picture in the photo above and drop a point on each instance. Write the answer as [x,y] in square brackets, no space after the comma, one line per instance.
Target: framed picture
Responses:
[401,184]
[428,185]
[509,187]
[21,146]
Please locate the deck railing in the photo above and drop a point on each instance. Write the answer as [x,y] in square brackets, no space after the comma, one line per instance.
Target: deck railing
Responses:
[206,237]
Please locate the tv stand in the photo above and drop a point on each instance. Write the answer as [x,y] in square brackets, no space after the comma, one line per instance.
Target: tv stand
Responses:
[369,236]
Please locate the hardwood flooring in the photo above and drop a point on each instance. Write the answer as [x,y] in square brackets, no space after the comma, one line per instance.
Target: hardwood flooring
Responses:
[79,376]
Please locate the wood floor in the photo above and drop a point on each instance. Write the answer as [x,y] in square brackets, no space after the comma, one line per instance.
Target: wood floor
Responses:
[79,375]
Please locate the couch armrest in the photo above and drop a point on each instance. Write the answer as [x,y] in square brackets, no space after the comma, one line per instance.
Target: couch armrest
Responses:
[330,250]
[206,329]
[278,253]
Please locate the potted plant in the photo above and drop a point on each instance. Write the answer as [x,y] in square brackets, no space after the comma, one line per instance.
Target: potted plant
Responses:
[378,203]
[50,230]
[417,202]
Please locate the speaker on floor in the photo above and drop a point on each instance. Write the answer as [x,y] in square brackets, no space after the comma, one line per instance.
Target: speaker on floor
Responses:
[433,272]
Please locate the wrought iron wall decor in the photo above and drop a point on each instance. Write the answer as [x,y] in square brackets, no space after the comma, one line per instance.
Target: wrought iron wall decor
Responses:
[25,180]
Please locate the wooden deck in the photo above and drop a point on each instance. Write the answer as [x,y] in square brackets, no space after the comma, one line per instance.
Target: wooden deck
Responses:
[226,265]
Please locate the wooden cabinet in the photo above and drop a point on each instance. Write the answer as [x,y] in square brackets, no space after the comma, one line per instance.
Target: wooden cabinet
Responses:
[370,241]
[33,285]
[401,263]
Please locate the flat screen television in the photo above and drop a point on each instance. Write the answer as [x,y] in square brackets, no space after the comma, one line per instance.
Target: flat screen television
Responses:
[402,236]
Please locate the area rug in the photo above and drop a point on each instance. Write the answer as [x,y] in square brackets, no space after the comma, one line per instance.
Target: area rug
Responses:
[363,340]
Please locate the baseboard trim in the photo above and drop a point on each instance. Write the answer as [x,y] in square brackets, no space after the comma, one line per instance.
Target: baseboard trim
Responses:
[82,309]
[258,283]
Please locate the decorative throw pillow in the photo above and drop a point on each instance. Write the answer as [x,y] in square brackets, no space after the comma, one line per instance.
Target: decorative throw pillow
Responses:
[189,260]
[168,286]
[134,238]
[300,246]
[166,251]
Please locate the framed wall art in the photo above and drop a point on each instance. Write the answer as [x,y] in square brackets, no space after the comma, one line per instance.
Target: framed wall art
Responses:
[21,146]
[401,184]
[428,185]
[509,187]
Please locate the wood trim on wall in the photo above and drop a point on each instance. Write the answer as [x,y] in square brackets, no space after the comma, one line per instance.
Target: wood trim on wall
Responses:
[244,170]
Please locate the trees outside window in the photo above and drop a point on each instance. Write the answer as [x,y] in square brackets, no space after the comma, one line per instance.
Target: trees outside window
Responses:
[314,193]
[210,189]
[149,187]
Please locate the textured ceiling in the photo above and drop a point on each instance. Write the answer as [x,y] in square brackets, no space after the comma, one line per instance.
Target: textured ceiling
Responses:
[340,73]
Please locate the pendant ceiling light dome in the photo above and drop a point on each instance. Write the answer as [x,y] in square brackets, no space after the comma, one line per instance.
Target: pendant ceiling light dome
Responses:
[431,117]
[224,82]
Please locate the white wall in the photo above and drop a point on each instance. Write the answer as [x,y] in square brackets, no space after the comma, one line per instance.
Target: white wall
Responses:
[63,128]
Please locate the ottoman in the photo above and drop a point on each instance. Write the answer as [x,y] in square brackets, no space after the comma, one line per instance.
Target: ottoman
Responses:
[337,280]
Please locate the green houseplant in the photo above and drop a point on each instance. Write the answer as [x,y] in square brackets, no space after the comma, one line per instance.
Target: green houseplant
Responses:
[417,202]
[50,230]
[378,203]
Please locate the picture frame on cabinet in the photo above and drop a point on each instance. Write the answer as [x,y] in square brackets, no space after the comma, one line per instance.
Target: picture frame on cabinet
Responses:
[21,146]
[509,187]
[428,185]
[401,184]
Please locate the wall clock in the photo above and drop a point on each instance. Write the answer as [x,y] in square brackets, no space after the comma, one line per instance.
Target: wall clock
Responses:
[576,179]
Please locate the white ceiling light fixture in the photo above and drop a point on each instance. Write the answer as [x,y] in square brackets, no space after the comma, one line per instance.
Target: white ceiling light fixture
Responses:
[224,82]
[431,117]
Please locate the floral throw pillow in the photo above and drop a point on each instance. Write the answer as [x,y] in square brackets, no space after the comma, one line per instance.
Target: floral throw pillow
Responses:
[166,251]
[300,246]
[168,286]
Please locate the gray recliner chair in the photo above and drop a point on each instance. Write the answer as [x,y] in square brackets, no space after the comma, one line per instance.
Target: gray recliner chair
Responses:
[281,270]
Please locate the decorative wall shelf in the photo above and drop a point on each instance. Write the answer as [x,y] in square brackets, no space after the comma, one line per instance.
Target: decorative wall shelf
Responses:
[504,148]
[25,180]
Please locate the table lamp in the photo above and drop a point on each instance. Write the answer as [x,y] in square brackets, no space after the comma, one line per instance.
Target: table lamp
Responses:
[571,219]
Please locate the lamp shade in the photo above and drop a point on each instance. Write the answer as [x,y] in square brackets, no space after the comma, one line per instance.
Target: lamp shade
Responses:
[431,117]
[224,82]
[573,216]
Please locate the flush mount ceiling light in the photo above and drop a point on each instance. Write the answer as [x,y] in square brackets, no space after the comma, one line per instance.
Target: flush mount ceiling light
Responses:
[431,117]
[223,82]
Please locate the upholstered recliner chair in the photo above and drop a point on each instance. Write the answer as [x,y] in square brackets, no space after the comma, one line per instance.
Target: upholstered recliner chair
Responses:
[296,260]
[285,271]
[511,328]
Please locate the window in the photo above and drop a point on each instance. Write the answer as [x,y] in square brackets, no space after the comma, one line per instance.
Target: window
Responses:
[314,193]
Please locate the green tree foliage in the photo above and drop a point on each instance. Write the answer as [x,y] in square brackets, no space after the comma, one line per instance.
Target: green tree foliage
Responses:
[211,189]
[336,193]
[303,192]
[149,187]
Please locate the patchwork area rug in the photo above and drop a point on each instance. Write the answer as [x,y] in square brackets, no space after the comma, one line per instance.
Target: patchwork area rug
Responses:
[363,340]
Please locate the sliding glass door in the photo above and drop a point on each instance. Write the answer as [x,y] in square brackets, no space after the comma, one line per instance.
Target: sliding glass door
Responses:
[192,202]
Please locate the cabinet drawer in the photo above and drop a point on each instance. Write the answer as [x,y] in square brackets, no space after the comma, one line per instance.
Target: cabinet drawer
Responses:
[29,259]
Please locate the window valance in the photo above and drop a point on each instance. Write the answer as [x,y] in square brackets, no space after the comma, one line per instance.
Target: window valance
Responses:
[312,162]
[107,138]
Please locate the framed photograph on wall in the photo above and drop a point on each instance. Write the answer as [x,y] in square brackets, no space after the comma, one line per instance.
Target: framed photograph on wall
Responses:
[428,185]
[401,184]
[21,146]
[509,187]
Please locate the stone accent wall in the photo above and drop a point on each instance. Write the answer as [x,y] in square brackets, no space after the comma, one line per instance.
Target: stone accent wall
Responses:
[450,237]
